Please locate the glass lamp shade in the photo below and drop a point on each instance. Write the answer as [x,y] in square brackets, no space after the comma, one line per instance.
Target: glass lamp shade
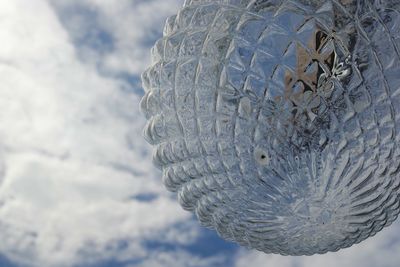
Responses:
[277,121]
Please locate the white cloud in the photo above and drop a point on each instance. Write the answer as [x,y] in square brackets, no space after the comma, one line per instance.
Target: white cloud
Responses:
[71,148]
[180,259]
[133,25]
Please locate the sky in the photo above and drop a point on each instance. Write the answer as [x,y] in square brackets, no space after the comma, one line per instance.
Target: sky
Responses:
[78,188]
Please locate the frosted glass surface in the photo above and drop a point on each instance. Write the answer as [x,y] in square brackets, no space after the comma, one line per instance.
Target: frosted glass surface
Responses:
[277,122]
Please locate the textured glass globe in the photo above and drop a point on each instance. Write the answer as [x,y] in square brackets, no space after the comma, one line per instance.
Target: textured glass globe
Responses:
[277,121]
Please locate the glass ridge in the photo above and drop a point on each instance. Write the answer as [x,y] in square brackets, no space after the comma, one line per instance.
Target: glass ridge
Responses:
[277,121]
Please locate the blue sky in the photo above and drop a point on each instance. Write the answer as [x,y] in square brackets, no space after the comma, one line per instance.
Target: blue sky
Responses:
[78,186]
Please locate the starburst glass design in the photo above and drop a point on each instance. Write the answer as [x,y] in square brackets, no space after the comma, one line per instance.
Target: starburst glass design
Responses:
[277,121]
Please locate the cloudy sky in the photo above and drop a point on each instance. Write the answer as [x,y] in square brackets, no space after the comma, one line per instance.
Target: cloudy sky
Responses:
[78,187]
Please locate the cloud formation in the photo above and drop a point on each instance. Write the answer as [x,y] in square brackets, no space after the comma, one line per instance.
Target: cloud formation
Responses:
[78,180]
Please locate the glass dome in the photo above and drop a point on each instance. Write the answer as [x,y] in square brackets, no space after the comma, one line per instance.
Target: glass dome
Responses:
[277,121]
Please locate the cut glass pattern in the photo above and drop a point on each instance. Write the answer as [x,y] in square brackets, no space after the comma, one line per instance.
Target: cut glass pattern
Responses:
[277,121]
